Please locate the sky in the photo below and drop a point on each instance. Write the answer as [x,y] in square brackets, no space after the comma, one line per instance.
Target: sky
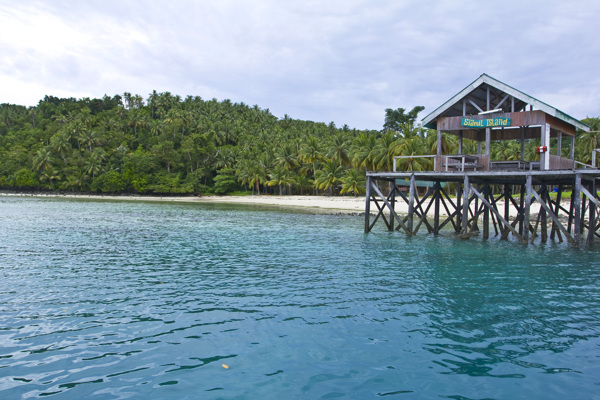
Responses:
[341,61]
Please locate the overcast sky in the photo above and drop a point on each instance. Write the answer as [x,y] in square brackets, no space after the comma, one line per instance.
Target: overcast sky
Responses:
[342,61]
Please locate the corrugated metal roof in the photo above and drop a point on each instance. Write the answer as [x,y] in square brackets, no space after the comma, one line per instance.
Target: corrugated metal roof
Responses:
[476,94]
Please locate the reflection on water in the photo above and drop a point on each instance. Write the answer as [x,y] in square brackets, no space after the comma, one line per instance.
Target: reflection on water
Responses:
[113,300]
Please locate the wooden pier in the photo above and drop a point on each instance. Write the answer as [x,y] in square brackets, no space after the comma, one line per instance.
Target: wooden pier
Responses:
[480,203]
[473,193]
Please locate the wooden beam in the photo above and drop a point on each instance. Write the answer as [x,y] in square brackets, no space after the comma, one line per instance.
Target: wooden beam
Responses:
[392,211]
[505,222]
[554,217]
[501,101]
[475,105]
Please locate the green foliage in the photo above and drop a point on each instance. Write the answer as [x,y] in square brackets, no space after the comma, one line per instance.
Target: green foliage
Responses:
[25,179]
[225,181]
[168,145]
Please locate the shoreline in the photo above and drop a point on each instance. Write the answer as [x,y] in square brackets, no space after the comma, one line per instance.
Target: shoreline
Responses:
[315,204]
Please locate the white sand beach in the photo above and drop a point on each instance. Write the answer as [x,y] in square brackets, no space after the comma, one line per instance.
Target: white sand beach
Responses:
[317,204]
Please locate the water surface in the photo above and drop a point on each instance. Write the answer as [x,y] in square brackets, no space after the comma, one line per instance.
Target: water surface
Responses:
[115,300]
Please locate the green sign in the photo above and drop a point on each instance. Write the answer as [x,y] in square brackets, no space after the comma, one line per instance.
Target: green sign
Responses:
[485,123]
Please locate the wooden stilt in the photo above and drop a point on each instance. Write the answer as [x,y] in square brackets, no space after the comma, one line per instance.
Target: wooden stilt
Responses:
[465,210]
[527,207]
[543,215]
[436,211]
[577,209]
[368,205]
[411,202]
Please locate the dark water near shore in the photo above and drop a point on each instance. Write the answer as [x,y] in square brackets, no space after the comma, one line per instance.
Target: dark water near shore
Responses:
[110,300]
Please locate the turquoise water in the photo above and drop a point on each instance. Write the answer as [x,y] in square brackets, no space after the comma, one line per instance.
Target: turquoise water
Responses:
[111,300]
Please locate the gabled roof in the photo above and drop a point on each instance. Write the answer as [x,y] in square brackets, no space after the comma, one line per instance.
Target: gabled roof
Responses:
[476,92]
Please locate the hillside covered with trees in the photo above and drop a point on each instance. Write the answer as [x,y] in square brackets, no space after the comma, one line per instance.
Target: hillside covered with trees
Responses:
[169,145]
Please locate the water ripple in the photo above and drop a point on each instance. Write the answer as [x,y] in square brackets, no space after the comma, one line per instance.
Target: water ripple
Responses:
[117,300]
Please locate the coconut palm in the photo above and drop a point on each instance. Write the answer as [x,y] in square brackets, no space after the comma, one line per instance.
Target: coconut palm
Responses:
[329,176]
[280,176]
[410,148]
[364,151]
[353,181]
[386,149]
[43,159]
[589,141]
[338,150]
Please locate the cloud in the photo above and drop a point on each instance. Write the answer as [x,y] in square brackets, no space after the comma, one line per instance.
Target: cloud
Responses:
[341,61]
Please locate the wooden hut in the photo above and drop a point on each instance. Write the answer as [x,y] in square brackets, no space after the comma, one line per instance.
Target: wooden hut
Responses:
[489,110]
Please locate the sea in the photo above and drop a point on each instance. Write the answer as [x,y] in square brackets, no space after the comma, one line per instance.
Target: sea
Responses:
[149,300]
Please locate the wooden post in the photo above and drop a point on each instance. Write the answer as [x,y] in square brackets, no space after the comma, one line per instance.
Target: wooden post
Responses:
[556,212]
[527,208]
[522,207]
[544,220]
[368,205]
[559,144]
[572,148]
[411,202]
[545,138]
[577,210]
[507,195]
[460,142]
[439,143]
[465,205]
[592,213]
[436,217]
[392,196]
[458,207]
[522,143]
[486,212]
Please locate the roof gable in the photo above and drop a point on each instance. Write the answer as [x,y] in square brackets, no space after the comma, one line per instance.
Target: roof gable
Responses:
[474,99]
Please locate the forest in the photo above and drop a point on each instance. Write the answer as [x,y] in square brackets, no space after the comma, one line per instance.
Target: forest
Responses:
[169,145]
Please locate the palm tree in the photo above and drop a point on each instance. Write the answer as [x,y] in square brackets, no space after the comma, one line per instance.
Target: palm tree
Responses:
[338,149]
[43,159]
[60,144]
[90,137]
[279,176]
[589,141]
[364,151]
[413,146]
[93,164]
[386,149]
[329,176]
[310,152]
[354,181]
[287,159]
[50,175]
